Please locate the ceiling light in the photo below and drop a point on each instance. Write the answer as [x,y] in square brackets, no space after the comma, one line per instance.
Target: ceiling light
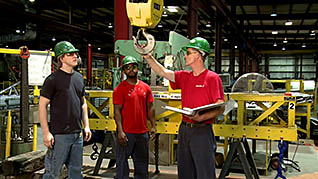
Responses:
[17,31]
[274,32]
[214,43]
[304,45]
[275,44]
[159,25]
[7,46]
[53,39]
[225,40]
[198,33]
[98,48]
[235,46]
[110,25]
[164,14]
[312,31]
[285,40]
[208,24]
[312,34]
[283,49]
[31,0]
[172,8]
[288,22]
[274,14]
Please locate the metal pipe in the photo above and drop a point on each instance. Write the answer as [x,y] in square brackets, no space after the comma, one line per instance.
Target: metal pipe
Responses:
[89,64]
[35,135]
[8,140]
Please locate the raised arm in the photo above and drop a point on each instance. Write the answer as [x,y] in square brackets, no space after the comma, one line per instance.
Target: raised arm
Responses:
[158,68]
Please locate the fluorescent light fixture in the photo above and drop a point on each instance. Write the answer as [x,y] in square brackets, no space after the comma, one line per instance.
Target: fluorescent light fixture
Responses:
[283,49]
[274,14]
[275,44]
[274,32]
[110,25]
[288,22]
[304,45]
[53,39]
[172,8]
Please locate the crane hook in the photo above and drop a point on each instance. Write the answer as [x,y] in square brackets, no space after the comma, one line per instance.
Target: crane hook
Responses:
[143,50]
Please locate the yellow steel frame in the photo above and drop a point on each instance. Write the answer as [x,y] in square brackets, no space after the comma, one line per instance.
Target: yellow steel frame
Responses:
[243,128]
[279,130]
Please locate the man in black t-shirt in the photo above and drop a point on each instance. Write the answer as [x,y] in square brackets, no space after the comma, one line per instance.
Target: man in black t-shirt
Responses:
[64,91]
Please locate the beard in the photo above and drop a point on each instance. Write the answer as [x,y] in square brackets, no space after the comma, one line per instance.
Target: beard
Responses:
[129,75]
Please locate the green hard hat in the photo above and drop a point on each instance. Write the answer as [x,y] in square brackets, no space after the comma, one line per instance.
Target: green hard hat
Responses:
[128,60]
[198,43]
[64,47]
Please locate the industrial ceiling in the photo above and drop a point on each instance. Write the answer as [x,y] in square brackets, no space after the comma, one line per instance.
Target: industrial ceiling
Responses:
[248,23]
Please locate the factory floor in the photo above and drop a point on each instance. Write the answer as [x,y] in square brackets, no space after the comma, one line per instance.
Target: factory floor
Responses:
[305,154]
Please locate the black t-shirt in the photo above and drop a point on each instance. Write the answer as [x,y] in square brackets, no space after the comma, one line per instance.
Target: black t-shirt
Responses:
[65,92]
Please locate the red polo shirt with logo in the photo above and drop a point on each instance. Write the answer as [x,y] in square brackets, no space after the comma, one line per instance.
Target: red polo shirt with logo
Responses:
[199,90]
[134,99]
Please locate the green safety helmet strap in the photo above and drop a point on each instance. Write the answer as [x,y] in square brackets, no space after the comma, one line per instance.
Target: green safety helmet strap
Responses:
[64,47]
[128,60]
[198,43]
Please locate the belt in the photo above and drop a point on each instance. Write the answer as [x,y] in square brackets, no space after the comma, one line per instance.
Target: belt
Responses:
[192,125]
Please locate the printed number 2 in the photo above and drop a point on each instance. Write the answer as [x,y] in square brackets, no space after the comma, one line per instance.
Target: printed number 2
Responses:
[292,106]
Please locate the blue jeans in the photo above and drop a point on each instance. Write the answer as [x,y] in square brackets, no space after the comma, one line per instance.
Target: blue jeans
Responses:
[68,150]
[196,148]
[138,148]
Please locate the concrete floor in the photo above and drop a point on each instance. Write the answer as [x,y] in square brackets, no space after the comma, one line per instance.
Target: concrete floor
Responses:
[306,157]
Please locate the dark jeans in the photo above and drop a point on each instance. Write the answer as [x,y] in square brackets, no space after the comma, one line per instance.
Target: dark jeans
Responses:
[68,150]
[196,148]
[138,149]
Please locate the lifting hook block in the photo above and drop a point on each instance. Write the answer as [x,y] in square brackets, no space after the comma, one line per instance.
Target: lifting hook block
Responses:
[144,49]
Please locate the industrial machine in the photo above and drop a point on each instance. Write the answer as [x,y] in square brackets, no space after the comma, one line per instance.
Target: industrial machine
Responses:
[17,104]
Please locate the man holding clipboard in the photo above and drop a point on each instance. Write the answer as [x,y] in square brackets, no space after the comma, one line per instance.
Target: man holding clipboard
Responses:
[199,87]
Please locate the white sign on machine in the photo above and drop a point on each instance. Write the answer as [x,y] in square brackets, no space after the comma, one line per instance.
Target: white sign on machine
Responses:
[39,67]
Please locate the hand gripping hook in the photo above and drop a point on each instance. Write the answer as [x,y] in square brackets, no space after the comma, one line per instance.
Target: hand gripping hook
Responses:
[141,49]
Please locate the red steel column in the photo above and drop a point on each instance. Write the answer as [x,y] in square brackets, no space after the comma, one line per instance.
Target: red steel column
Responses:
[193,19]
[123,29]
[89,64]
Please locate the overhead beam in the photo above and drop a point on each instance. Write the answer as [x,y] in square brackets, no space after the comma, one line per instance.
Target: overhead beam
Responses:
[227,14]
[267,2]
[294,16]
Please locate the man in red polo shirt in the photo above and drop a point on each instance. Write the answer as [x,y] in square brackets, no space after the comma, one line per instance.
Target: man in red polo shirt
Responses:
[196,141]
[133,103]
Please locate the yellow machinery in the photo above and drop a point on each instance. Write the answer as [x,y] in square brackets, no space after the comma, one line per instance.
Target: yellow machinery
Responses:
[13,145]
[144,14]
[268,126]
